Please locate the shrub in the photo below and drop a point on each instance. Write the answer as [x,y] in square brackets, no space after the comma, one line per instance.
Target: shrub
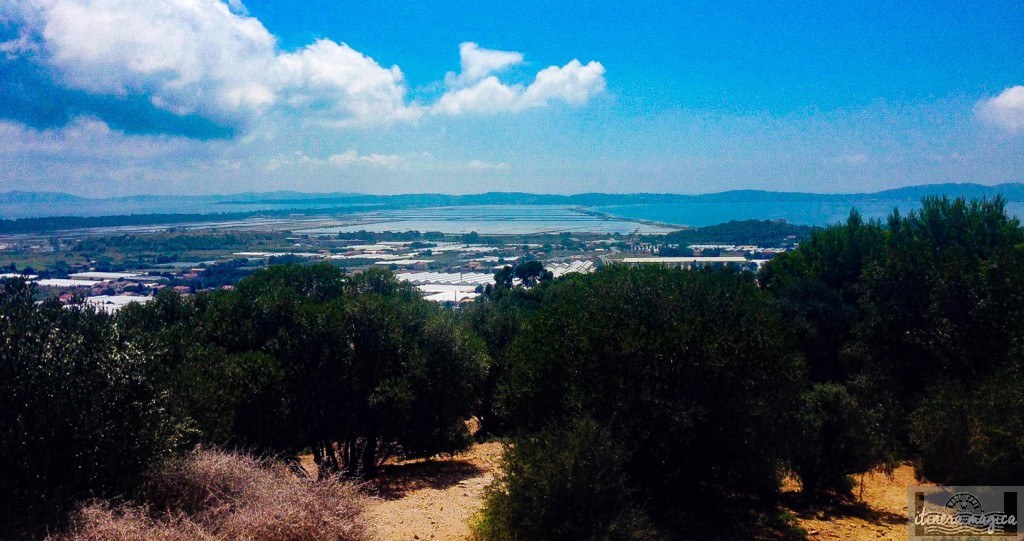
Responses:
[213,496]
[840,432]
[973,436]
[80,414]
[563,483]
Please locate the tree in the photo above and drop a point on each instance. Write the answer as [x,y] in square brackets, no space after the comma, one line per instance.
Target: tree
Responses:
[690,372]
[80,415]
[369,370]
[950,279]
[531,272]
[846,419]
[503,277]
[497,317]
[817,288]
[942,320]
[915,322]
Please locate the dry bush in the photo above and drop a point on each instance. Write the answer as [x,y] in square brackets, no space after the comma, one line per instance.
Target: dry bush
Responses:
[100,522]
[213,496]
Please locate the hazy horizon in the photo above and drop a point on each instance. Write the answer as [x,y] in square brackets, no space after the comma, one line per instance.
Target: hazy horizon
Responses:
[549,193]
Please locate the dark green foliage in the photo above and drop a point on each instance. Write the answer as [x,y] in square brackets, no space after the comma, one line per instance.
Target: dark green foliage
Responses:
[503,277]
[946,298]
[170,243]
[356,368]
[840,432]
[531,272]
[816,286]
[364,369]
[976,436]
[225,397]
[80,414]
[756,232]
[564,483]
[689,371]
[942,310]
[920,318]
[498,317]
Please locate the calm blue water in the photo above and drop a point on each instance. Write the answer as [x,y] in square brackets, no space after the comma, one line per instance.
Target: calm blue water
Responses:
[486,220]
[708,213]
[502,219]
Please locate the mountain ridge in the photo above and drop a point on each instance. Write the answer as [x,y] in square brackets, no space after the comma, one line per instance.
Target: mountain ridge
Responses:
[1013,191]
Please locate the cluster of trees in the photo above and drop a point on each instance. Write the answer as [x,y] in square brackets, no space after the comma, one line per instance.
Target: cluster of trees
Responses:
[629,391]
[911,333]
[392,236]
[640,403]
[173,243]
[354,369]
[756,232]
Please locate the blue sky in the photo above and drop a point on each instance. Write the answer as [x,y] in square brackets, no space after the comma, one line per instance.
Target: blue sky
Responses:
[112,97]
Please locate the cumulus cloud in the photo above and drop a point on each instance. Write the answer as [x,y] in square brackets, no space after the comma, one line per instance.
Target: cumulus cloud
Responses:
[209,61]
[478,63]
[187,57]
[206,58]
[574,83]
[1005,111]
[346,85]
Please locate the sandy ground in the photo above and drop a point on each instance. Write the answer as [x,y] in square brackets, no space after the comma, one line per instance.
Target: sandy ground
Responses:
[432,499]
[436,499]
[881,514]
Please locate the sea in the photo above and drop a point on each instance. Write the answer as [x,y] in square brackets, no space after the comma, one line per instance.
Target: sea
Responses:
[497,219]
[701,214]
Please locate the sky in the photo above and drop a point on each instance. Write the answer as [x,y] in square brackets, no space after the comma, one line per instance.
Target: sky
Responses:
[121,97]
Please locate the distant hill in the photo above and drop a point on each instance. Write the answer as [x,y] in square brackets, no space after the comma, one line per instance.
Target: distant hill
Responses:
[1011,191]
[38,197]
[756,232]
[22,211]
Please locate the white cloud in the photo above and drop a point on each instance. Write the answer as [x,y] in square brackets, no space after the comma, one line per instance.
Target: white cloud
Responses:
[344,84]
[189,57]
[573,83]
[481,165]
[422,161]
[88,139]
[209,58]
[14,48]
[487,96]
[351,157]
[1005,111]
[478,63]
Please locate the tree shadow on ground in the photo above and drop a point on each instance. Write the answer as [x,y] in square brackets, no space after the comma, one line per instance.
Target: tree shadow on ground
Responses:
[839,508]
[397,480]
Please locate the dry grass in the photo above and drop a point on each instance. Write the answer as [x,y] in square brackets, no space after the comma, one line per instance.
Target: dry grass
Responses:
[213,496]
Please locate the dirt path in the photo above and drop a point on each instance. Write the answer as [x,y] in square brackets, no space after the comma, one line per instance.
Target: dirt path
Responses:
[881,515]
[436,499]
[433,499]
